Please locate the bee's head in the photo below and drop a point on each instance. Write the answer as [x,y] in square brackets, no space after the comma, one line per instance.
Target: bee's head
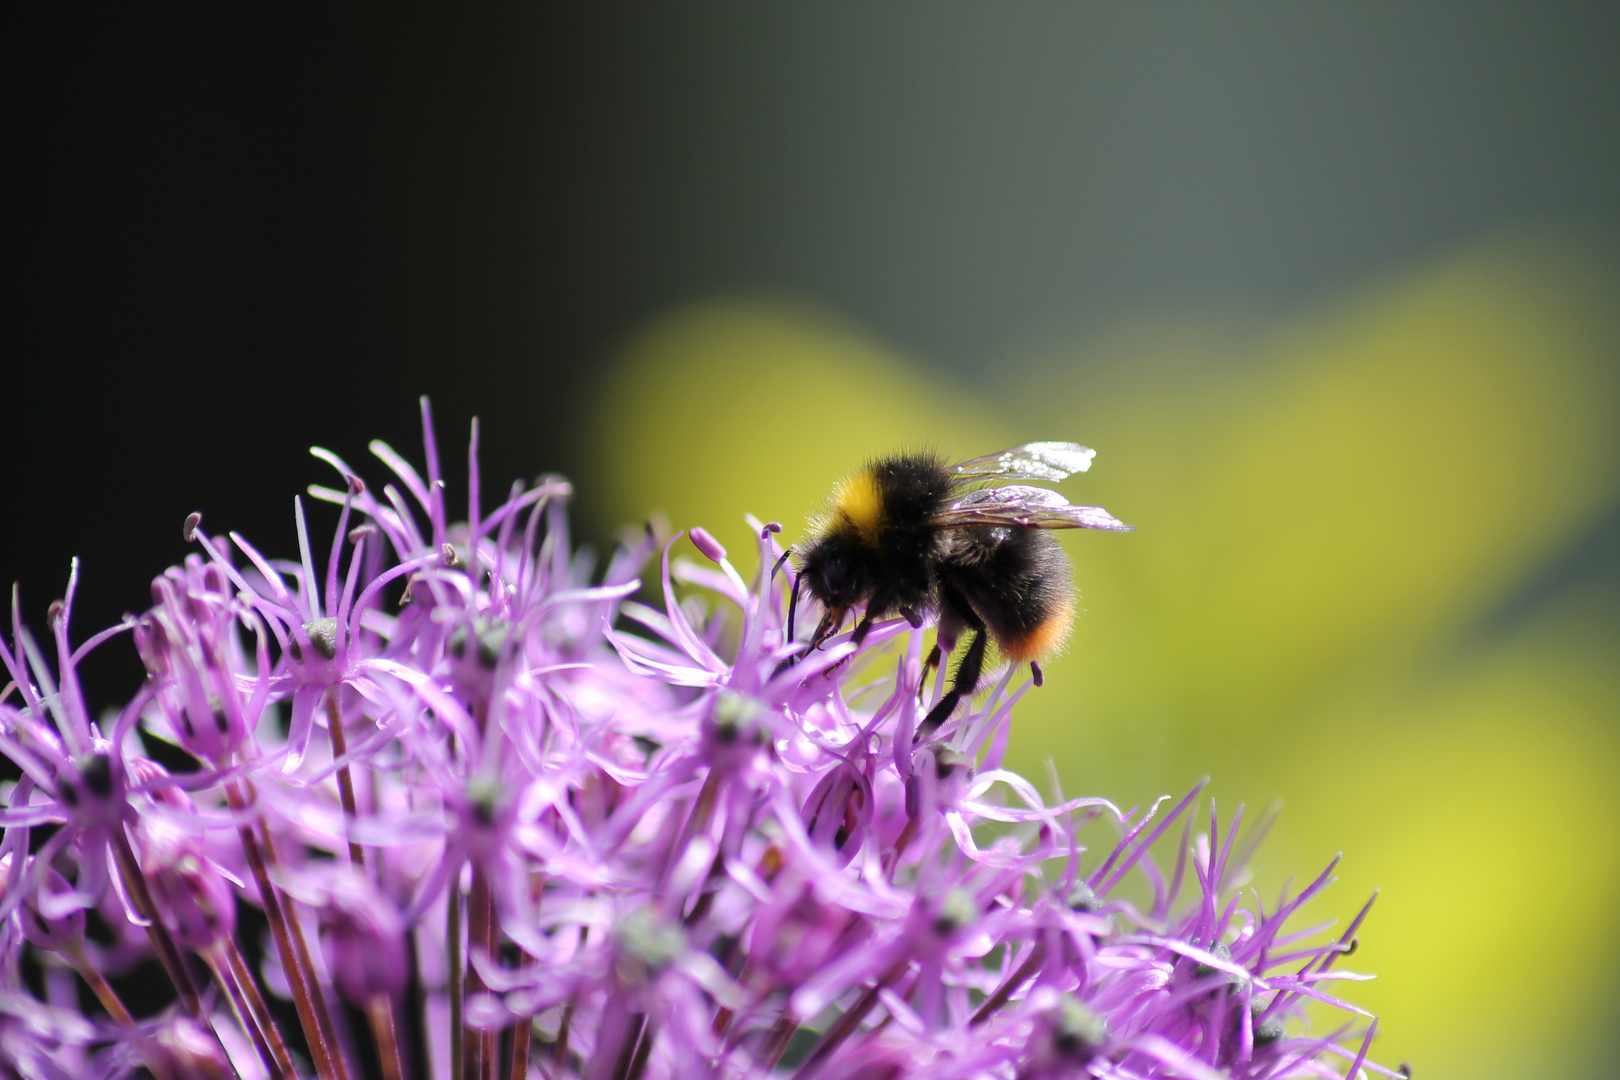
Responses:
[832,572]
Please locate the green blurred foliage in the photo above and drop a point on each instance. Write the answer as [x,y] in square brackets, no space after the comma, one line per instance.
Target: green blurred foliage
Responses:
[1333,515]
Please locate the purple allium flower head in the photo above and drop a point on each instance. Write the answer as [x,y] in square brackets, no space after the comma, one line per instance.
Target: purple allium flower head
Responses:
[529,824]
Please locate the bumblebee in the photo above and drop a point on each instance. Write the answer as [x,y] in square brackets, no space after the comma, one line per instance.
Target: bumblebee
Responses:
[911,535]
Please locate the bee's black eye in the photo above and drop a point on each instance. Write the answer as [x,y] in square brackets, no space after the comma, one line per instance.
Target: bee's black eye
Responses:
[836,581]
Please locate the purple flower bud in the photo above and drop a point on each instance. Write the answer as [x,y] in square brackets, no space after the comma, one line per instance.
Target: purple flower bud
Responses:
[952,913]
[836,813]
[188,1051]
[708,545]
[193,896]
[1268,1031]
[487,637]
[1082,898]
[43,921]
[208,728]
[189,648]
[1067,1037]
[877,1063]
[322,634]
[144,772]
[152,643]
[365,940]
[791,941]
[731,731]
[645,944]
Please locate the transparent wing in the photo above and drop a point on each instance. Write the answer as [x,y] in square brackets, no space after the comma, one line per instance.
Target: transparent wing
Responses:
[1032,461]
[1027,507]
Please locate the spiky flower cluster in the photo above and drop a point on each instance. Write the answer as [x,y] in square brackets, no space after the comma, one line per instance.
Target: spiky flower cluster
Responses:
[457,806]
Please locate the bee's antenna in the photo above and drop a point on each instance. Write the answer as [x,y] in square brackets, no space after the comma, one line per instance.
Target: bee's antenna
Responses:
[793,604]
[779,563]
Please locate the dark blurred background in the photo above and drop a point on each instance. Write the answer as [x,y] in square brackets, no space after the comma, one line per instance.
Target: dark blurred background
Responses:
[229,235]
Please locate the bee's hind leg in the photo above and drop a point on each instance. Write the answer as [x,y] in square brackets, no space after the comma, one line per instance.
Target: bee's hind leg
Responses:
[967,672]
[967,678]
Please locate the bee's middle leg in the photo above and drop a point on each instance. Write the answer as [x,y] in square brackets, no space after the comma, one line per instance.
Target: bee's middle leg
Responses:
[862,628]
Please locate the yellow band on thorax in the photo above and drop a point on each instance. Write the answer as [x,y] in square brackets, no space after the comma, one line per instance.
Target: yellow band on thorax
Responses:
[859,502]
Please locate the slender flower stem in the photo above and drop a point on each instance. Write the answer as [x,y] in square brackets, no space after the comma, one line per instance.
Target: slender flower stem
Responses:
[99,986]
[491,943]
[638,1064]
[381,1016]
[724,1016]
[627,1049]
[334,725]
[698,820]
[298,979]
[522,1039]
[413,1008]
[323,1016]
[80,959]
[380,1011]
[891,862]
[257,1007]
[846,1024]
[452,938]
[162,942]
[480,919]
[523,1031]
[1030,966]
[777,1038]
[559,1049]
[239,1009]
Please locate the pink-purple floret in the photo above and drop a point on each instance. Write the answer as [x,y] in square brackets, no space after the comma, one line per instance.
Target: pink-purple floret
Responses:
[675,846]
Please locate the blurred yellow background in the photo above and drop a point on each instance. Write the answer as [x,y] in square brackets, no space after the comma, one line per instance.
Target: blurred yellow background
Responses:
[1344,591]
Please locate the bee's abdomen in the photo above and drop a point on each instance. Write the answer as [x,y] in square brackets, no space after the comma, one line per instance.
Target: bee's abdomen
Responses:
[1044,638]
[1017,581]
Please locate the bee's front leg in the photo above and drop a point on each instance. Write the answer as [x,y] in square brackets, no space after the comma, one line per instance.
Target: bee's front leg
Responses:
[831,620]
